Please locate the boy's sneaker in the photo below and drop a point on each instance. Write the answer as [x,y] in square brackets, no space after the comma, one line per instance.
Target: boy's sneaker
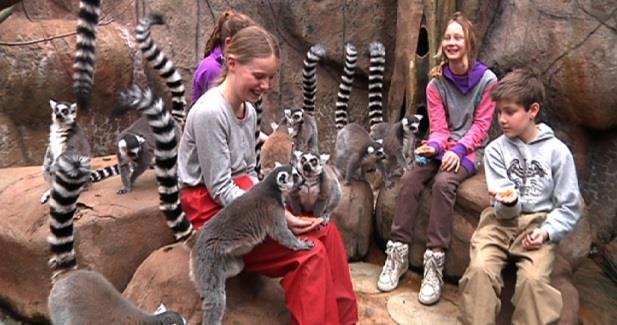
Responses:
[396,265]
[432,283]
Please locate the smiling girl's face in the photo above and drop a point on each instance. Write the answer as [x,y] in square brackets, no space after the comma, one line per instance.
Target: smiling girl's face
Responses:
[253,79]
[454,43]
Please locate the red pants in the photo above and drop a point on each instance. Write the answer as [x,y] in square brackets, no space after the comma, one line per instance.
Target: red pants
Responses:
[317,282]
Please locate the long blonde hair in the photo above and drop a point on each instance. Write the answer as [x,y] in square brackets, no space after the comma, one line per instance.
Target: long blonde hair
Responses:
[227,26]
[250,43]
[470,44]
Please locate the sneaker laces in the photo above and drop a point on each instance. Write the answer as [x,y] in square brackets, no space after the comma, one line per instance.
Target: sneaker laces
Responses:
[395,254]
[433,274]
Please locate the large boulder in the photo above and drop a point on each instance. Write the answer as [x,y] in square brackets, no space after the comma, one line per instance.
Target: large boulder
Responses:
[354,218]
[114,234]
[164,278]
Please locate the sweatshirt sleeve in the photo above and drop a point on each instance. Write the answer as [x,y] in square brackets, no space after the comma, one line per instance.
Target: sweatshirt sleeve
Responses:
[481,122]
[566,197]
[497,178]
[439,132]
[214,156]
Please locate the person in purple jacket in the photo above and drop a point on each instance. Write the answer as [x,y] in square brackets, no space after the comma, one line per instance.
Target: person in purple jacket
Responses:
[210,67]
[460,111]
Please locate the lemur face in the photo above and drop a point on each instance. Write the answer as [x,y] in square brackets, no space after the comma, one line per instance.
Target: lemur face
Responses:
[63,112]
[310,164]
[130,146]
[411,124]
[376,150]
[297,116]
[287,177]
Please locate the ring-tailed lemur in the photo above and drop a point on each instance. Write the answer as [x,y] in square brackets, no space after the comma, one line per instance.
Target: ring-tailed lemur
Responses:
[82,296]
[84,65]
[218,249]
[166,137]
[278,146]
[305,124]
[399,141]
[321,192]
[341,117]
[159,61]
[64,135]
[135,144]
[354,147]
[377,66]
[397,138]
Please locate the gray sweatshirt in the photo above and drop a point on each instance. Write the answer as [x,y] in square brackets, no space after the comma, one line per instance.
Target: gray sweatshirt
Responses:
[217,146]
[544,175]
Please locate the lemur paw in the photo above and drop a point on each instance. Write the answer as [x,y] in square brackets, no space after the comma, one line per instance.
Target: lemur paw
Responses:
[45,197]
[123,190]
[304,245]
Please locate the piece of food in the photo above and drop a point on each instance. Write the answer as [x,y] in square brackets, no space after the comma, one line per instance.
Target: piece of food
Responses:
[506,195]
[424,150]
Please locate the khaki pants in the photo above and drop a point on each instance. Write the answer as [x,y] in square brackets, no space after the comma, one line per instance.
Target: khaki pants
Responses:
[492,244]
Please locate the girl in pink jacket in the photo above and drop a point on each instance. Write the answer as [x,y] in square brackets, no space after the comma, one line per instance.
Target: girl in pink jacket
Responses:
[460,112]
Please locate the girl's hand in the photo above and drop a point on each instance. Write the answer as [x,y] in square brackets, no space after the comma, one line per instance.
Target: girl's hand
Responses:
[450,162]
[535,239]
[301,225]
[425,150]
[507,195]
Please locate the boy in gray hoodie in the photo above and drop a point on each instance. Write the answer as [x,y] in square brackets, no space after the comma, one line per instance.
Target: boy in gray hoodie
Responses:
[535,199]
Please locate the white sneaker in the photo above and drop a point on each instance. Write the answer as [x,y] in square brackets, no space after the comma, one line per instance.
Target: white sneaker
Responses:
[396,265]
[432,283]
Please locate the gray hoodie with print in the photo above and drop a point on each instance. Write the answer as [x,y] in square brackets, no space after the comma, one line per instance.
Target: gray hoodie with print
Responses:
[544,175]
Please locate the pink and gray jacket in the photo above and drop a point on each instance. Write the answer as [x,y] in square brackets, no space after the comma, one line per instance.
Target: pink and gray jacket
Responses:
[460,110]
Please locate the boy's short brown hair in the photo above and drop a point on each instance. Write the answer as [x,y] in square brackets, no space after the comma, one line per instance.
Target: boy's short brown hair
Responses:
[521,86]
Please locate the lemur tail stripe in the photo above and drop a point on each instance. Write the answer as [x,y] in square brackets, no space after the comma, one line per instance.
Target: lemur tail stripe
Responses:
[259,140]
[85,48]
[71,175]
[104,173]
[342,98]
[309,77]
[377,65]
[165,153]
[159,61]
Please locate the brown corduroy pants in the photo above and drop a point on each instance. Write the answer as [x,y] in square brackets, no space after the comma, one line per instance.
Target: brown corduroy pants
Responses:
[493,243]
[443,197]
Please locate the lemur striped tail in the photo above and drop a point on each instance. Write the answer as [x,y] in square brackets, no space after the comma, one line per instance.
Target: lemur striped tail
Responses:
[104,173]
[377,65]
[309,77]
[159,61]
[85,59]
[71,174]
[259,138]
[341,117]
[165,153]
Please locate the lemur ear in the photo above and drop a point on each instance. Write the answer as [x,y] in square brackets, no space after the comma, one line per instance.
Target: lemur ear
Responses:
[274,126]
[141,140]
[287,112]
[52,103]
[370,149]
[324,158]
[277,164]
[297,154]
[122,144]
[405,121]
[74,106]
[418,116]
[380,141]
